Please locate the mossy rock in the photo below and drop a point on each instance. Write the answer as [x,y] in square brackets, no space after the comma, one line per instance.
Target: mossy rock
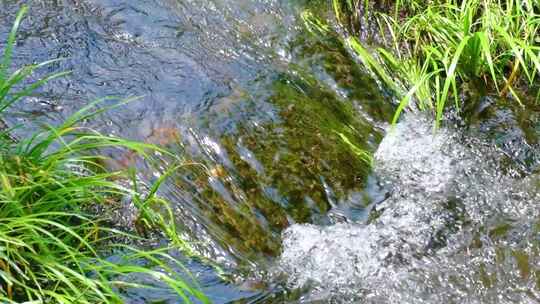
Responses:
[304,165]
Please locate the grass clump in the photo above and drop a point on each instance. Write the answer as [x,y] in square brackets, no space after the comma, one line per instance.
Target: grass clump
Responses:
[50,248]
[431,49]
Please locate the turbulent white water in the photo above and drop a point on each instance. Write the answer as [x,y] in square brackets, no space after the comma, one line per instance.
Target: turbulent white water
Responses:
[457,228]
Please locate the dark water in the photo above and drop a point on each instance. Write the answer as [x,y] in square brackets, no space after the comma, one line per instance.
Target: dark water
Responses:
[269,109]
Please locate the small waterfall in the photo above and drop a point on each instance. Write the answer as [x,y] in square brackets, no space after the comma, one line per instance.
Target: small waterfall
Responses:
[456,229]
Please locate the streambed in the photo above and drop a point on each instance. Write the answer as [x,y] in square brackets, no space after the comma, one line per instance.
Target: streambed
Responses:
[242,87]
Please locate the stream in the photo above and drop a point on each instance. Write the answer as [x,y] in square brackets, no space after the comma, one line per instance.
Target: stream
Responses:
[279,199]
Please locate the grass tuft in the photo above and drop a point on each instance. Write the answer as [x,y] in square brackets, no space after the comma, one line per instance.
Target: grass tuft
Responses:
[51,250]
[433,48]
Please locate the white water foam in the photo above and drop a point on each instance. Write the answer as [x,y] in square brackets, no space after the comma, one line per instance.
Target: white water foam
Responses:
[451,231]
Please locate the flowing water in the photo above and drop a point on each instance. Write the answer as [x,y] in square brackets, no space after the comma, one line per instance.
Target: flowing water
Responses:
[279,198]
[455,229]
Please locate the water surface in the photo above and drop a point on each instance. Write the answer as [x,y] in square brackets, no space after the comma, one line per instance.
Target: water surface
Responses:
[268,109]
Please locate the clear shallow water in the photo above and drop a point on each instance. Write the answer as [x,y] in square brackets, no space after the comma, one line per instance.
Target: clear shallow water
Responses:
[241,87]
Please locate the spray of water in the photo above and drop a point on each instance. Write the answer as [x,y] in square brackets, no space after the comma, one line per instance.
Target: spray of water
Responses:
[457,228]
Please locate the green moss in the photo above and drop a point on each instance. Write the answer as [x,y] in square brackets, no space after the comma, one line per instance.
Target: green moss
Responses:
[327,50]
[299,155]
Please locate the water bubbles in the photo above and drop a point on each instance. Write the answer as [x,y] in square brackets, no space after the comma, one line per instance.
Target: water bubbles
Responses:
[455,229]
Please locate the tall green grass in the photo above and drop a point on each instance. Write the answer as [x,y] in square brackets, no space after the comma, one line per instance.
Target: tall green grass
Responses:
[51,249]
[431,48]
